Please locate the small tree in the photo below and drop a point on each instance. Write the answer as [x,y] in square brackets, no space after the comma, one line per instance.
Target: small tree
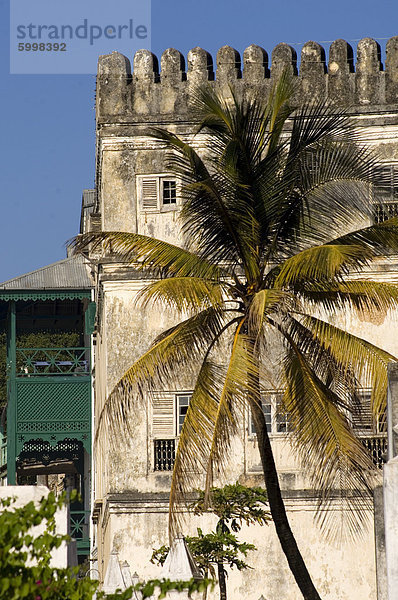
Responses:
[234,505]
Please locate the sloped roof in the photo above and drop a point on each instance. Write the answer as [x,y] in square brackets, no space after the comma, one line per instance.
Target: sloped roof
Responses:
[69,273]
[179,563]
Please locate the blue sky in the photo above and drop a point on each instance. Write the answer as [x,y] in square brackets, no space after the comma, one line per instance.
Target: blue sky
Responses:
[48,121]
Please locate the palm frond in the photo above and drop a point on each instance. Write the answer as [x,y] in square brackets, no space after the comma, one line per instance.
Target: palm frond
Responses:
[338,463]
[195,441]
[327,177]
[315,122]
[209,425]
[352,353]
[269,300]
[341,378]
[231,403]
[381,238]
[319,264]
[178,347]
[368,298]
[207,215]
[185,293]
[279,108]
[152,255]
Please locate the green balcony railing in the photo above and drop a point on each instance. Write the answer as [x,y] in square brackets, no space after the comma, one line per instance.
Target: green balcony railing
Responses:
[52,361]
[79,528]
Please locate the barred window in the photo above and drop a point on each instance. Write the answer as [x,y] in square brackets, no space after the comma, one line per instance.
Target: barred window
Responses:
[362,418]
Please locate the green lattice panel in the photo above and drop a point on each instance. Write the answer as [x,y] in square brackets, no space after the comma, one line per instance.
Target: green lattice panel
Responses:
[53,410]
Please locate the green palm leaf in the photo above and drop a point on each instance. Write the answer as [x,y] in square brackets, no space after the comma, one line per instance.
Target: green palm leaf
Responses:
[185,293]
[160,365]
[368,298]
[231,403]
[381,238]
[338,463]
[355,354]
[320,264]
[155,256]
[195,441]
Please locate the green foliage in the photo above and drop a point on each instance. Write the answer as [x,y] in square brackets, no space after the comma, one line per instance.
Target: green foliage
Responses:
[25,570]
[234,505]
[210,550]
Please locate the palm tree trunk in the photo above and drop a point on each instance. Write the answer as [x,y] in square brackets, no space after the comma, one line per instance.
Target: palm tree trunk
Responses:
[222,582]
[276,504]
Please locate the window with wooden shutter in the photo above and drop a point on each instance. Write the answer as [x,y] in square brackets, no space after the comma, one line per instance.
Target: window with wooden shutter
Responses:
[157,193]
[149,193]
[386,197]
[163,415]
[362,418]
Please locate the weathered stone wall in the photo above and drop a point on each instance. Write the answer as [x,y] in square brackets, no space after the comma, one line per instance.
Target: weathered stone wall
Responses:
[340,570]
[149,94]
[134,514]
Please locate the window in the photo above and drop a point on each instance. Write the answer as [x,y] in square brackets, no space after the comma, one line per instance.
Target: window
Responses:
[182,403]
[277,421]
[156,193]
[169,410]
[169,192]
[164,452]
[386,198]
[371,432]
[362,418]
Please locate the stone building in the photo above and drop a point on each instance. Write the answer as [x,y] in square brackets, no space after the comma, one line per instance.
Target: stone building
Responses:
[135,192]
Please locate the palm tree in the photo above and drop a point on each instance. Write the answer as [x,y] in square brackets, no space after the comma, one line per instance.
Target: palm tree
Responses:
[270,220]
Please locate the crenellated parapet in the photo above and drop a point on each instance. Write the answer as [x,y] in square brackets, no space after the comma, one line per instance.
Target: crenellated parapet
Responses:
[154,92]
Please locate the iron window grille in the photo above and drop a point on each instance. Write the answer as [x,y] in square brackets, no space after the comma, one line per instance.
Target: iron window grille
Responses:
[362,419]
[372,432]
[164,454]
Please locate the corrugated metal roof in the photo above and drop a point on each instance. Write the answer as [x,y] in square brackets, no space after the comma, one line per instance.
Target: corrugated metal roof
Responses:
[70,273]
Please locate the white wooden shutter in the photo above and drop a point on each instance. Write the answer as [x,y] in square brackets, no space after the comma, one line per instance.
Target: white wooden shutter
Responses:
[149,193]
[163,416]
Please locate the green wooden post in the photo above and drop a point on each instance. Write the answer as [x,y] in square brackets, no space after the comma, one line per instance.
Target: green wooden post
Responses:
[11,393]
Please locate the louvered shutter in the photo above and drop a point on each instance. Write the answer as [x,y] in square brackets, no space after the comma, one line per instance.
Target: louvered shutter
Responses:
[149,193]
[163,416]
[362,416]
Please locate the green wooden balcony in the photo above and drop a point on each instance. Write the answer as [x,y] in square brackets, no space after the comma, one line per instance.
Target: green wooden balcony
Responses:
[35,362]
[52,395]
